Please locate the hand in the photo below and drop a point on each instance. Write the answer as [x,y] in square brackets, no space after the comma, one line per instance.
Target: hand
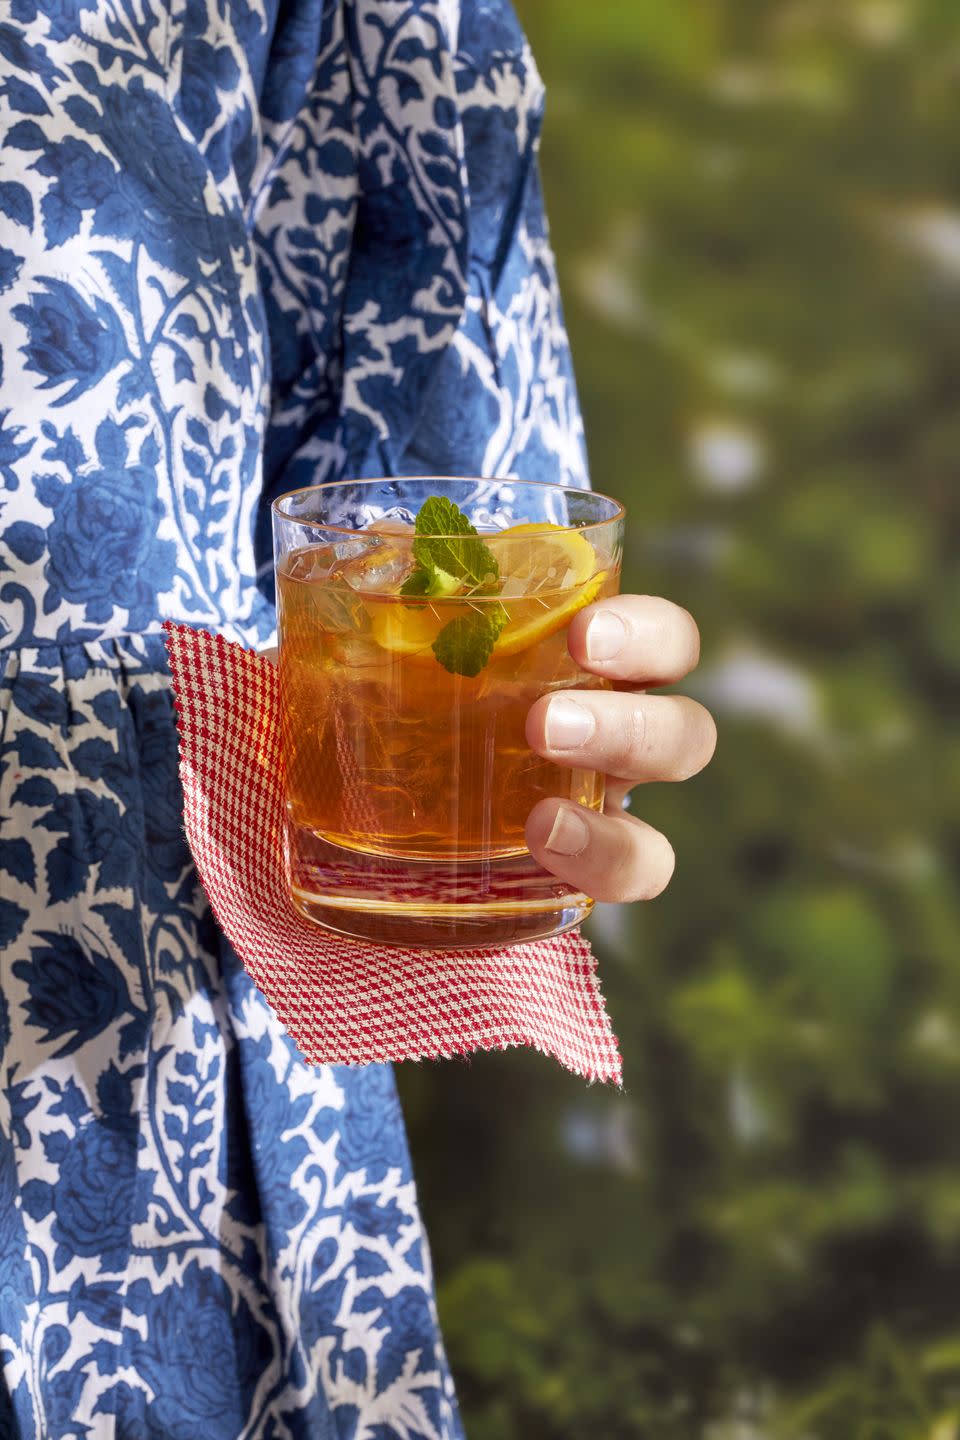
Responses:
[633,737]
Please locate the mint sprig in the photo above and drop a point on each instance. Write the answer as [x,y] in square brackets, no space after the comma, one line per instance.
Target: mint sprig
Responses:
[448,548]
[453,560]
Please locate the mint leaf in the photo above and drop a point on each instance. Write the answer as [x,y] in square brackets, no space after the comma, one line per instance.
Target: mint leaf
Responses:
[465,644]
[445,542]
[416,583]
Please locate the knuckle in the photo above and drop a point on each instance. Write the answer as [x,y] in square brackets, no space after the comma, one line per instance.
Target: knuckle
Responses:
[689,639]
[665,639]
[660,864]
[698,739]
[676,639]
[644,865]
[629,741]
[708,735]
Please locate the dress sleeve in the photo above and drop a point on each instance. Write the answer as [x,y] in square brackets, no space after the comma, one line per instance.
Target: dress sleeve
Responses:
[410,291]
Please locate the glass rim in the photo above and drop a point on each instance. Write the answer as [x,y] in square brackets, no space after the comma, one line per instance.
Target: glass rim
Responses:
[618,515]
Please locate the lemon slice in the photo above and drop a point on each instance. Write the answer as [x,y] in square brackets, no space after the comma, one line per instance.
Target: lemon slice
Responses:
[552,559]
[552,576]
[404,629]
[521,634]
[555,562]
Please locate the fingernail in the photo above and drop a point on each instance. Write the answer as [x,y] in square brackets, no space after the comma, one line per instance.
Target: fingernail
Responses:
[568,724]
[569,834]
[606,634]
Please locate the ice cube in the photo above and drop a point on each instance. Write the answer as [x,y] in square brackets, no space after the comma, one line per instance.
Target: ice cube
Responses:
[336,612]
[349,549]
[381,570]
[312,562]
[397,521]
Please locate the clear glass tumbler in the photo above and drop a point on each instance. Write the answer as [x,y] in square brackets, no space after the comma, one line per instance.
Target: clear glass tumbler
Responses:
[419,619]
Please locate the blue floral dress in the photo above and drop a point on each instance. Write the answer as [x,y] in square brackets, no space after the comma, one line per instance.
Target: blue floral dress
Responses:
[244,246]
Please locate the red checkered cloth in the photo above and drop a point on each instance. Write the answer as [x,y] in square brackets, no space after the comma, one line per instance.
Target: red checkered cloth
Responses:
[344,1001]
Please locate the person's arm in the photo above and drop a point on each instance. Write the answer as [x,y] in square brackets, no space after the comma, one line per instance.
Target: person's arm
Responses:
[416,328]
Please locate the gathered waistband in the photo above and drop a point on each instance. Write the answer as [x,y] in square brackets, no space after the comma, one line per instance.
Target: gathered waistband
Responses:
[127,654]
[146,650]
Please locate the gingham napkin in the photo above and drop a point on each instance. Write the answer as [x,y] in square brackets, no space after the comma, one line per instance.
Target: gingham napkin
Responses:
[344,1001]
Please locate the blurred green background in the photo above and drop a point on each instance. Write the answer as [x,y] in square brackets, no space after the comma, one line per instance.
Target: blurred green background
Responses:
[754,205]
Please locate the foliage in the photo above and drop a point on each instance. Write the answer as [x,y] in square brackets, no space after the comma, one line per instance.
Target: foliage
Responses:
[750,203]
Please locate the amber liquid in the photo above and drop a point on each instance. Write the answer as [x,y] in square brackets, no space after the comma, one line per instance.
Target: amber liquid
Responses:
[389,754]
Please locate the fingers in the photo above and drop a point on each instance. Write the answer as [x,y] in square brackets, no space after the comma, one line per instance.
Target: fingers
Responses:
[628,736]
[636,638]
[609,857]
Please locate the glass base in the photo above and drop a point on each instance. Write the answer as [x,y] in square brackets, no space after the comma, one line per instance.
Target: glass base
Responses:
[440,904]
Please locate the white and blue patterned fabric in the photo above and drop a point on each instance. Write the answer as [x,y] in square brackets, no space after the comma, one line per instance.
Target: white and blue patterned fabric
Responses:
[244,245]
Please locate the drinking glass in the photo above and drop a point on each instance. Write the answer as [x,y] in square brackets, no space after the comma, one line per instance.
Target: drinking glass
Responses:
[408,663]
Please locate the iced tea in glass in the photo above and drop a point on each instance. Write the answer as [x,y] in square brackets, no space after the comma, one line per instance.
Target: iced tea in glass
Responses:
[419,619]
